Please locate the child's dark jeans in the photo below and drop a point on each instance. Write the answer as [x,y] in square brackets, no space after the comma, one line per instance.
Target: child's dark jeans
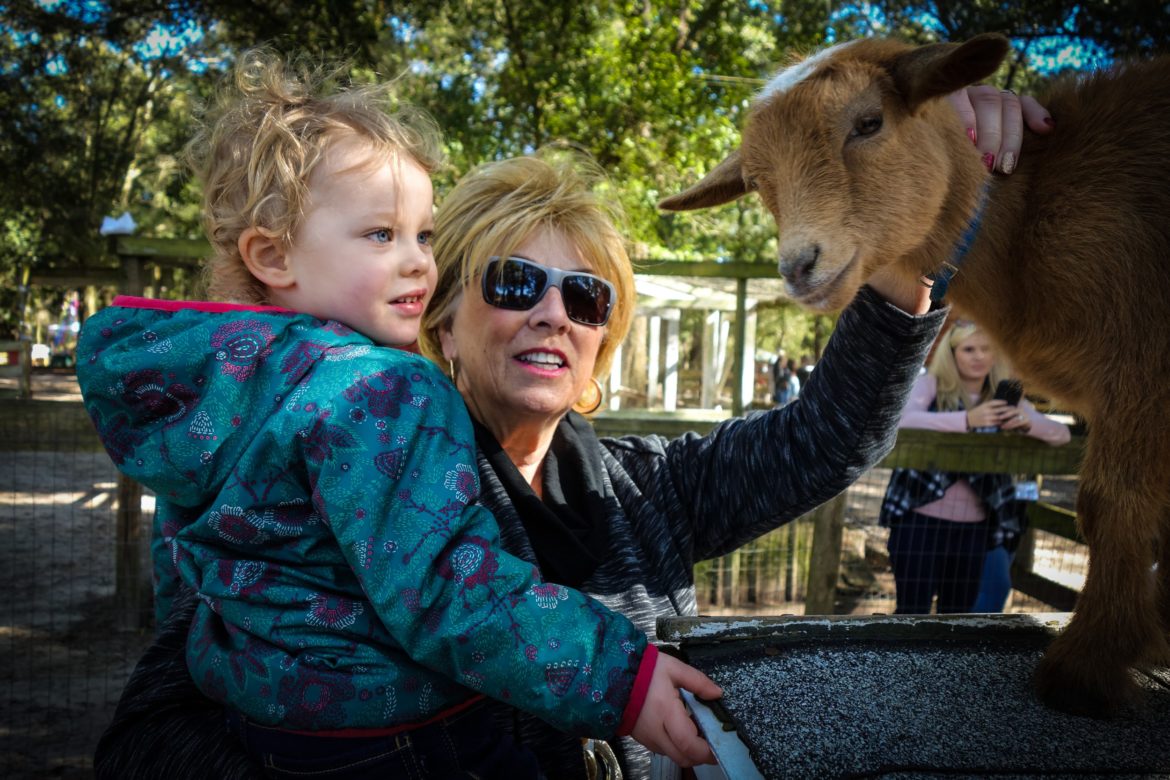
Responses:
[465,745]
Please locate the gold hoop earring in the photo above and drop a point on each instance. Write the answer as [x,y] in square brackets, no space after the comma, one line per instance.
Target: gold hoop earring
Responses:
[590,400]
[451,368]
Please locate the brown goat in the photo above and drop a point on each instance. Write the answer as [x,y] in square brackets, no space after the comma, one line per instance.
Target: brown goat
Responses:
[862,163]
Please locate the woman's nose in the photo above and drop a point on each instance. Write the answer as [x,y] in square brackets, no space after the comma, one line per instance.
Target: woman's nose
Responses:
[550,311]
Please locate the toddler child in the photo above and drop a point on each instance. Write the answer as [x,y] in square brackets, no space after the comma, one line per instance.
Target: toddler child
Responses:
[315,486]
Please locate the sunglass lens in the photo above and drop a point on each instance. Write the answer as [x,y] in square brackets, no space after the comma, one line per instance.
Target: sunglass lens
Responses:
[587,299]
[513,285]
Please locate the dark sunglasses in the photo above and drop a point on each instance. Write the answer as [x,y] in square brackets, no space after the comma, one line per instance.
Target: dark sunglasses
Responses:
[519,284]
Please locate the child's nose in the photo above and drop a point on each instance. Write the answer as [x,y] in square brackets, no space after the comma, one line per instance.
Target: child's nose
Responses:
[420,261]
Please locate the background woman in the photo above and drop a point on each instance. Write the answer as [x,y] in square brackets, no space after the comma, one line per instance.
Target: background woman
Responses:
[942,524]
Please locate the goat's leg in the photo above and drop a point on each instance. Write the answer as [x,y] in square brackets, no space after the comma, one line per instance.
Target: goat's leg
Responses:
[1120,505]
[1164,581]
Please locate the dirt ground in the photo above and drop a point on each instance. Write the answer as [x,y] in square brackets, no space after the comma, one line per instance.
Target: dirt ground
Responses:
[63,661]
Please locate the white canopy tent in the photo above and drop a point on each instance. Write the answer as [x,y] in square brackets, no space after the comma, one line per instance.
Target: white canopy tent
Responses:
[728,293]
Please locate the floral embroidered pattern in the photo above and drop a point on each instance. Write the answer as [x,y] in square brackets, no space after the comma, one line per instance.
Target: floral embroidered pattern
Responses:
[148,393]
[241,347]
[332,612]
[384,392]
[462,482]
[234,524]
[547,594]
[314,698]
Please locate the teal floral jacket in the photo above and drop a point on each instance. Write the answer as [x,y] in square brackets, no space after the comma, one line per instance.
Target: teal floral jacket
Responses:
[318,492]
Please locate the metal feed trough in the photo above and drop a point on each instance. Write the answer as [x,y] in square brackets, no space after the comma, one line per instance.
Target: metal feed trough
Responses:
[904,697]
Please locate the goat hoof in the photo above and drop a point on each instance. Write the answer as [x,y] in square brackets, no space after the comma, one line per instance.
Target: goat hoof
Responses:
[1085,691]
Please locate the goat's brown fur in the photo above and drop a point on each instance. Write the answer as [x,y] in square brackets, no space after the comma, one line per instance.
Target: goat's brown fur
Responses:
[1070,273]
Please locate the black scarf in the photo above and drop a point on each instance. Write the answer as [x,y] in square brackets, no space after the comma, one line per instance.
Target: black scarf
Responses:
[569,529]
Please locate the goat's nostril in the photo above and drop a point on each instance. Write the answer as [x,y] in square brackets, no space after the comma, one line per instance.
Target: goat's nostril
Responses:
[795,266]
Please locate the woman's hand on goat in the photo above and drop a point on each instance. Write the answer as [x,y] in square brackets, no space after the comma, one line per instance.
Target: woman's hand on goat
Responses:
[663,725]
[909,295]
[995,121]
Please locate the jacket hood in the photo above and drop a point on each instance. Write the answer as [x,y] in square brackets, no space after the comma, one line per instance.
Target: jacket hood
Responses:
[161,377]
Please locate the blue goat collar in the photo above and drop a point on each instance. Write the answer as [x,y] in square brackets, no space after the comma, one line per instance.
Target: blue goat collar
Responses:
[940,280]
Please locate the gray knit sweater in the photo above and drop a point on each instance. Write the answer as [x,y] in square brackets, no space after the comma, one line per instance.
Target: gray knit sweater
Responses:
[671,503]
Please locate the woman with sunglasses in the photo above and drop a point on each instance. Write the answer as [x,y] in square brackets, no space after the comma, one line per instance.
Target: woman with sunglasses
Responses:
[535,292]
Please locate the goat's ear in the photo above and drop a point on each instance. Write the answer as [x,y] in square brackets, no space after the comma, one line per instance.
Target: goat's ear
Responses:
[724,183]
[938,69]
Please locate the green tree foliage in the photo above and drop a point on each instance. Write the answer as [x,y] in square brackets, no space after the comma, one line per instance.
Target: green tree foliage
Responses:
[655,91]
[94,107]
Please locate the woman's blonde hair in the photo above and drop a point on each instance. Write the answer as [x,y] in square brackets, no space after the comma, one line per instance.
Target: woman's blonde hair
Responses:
[263,135]
[950,395]
[498,205]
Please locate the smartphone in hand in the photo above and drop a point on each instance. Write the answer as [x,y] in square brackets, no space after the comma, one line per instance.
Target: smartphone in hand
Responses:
[1010,390]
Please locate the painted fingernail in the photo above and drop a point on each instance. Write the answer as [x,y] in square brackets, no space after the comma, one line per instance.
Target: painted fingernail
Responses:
[989,161]
[1007,163]
[971,134]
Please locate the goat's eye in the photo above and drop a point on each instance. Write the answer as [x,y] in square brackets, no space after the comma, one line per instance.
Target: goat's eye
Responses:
[751,183]
[866,125]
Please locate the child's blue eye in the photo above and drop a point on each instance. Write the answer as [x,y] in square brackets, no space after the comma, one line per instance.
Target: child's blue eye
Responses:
[381,235]
[425,237]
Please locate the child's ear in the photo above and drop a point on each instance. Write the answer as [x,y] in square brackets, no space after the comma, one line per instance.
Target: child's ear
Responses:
[263,254]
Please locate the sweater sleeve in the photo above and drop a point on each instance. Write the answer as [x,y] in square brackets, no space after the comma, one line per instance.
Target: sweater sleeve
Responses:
[752,474]
[917,413]
[1045,428]
[392,468]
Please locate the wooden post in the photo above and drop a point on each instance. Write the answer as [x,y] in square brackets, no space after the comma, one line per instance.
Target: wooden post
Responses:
[129,598]
[790,564]
[825,559]
[23,368]
[129,583]
[736,568]
[738,402]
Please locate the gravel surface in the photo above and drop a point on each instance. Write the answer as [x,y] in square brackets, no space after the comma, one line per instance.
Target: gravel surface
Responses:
[915,709]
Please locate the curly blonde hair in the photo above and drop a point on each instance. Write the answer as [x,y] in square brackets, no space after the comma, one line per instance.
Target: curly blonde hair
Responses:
[498,205]
[262,137]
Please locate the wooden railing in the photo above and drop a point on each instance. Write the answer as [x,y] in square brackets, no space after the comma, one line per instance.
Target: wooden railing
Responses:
[31,425]
[927,450]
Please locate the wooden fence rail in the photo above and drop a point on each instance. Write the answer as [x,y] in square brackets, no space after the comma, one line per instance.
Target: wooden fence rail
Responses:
[36,425]
[918,449]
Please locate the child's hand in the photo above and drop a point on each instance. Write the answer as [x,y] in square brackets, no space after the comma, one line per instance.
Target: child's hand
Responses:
[664,726]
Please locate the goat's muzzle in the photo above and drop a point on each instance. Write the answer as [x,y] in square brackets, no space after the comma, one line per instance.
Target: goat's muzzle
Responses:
[797,266]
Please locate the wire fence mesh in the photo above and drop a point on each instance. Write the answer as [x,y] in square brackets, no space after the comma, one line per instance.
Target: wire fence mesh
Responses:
[70,634]
[770,574]
[63,661]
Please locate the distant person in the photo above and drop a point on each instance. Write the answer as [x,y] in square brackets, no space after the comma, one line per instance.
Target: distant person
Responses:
[785,385]
[804,372]
[943,526]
